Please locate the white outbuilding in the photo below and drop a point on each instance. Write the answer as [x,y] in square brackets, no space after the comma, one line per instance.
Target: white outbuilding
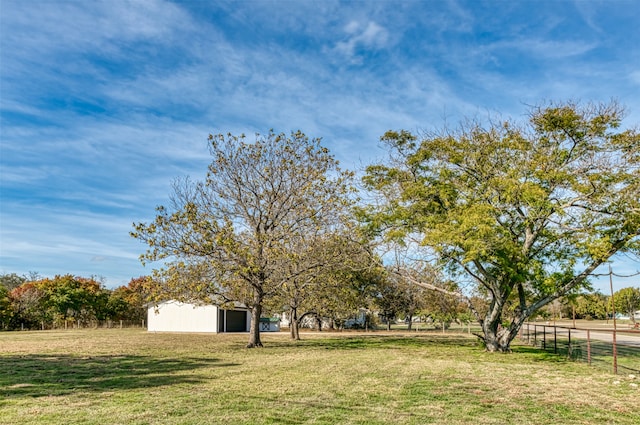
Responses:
[176,316]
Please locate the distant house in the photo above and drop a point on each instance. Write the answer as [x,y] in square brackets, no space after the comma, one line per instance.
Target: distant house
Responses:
[176,316]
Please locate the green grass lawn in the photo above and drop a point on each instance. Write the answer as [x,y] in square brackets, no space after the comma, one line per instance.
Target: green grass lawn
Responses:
[125,376]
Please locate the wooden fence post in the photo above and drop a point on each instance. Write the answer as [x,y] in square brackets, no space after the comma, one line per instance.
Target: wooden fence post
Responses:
[588,347]
[615,353]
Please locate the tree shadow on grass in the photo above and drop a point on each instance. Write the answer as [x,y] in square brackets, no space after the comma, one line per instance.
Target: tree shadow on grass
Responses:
[538,354]
[58,375]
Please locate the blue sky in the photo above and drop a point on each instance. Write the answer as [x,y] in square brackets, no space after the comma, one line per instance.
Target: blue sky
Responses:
[104,104]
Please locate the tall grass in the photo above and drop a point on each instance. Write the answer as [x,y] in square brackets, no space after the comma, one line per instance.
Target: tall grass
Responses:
[130,376]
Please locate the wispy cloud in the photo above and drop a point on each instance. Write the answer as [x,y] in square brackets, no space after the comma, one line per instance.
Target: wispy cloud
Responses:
[360,38]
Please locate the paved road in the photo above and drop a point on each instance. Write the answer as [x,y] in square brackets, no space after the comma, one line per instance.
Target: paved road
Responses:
[623,336]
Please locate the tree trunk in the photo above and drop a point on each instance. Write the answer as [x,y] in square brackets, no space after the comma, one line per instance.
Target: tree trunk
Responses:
[497,339]
[295,331]
[410,322]
[254,332]
[494,341]
[294,325]
[388,324]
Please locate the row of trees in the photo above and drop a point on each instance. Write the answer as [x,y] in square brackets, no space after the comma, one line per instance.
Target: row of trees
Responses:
[33,302]
[517,214]
[596,306]
[341,296]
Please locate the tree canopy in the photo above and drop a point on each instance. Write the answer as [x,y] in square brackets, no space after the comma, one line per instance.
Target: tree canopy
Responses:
[627,301]
[322,277]
[226,238]
[51,302]
[527,211]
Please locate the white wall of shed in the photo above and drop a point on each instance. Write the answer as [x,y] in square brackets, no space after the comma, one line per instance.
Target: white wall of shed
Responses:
[175,316]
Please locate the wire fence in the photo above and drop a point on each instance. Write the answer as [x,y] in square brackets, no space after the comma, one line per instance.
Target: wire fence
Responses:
[614,350]
[84,324]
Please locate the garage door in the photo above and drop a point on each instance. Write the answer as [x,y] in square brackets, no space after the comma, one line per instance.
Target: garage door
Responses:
[236,321]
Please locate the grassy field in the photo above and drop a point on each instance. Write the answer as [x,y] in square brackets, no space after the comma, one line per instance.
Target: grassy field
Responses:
[134,377]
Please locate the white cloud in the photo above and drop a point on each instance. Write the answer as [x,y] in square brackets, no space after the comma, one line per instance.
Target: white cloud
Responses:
[361,37]
[549,49]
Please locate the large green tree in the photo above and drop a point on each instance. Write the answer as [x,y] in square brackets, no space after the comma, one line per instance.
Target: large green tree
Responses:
[527,211]
[227,236]
[591,306]
[69,296]
[627,301]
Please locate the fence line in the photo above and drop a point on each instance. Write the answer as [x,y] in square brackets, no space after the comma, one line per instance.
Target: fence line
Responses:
[85,324]
[615,350]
